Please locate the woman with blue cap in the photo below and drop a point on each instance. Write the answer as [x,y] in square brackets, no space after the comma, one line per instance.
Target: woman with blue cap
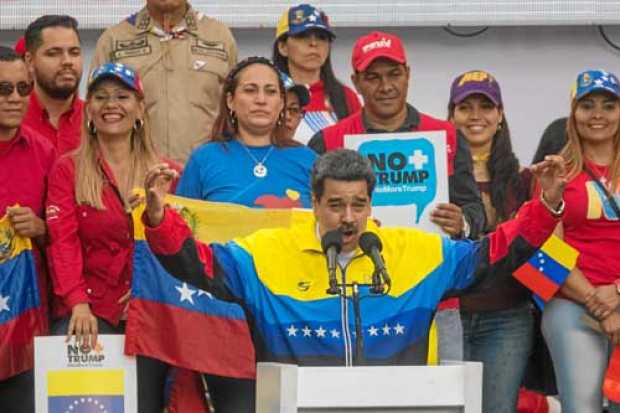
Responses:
[591,224]
[88,213]
[302,50]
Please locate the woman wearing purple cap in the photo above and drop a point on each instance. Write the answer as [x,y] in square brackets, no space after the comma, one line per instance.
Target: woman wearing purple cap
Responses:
[497,316]
[302,50]
[88,207]
[591,224]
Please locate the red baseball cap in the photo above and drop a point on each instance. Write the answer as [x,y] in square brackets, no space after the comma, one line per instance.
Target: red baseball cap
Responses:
[375,45]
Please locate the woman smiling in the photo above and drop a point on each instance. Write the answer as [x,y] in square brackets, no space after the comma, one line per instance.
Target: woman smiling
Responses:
[89,206]
[591,225]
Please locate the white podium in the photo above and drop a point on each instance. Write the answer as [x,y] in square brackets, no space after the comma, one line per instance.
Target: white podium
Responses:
[286,388]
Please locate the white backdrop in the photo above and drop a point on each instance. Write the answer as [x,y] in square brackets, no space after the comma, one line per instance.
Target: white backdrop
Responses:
[95,14]
[535,66]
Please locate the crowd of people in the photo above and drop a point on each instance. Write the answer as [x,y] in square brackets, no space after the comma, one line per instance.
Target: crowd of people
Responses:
[169,108]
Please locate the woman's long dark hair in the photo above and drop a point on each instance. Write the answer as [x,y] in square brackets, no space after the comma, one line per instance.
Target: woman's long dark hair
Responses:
[334,89]
[508,189]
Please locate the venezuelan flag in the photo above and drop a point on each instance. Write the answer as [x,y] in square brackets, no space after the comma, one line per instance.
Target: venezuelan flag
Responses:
[164,313]
[548,268]
[21,316]
[86,391]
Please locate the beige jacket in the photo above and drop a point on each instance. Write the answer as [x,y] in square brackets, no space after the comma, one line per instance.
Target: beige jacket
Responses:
[182,73]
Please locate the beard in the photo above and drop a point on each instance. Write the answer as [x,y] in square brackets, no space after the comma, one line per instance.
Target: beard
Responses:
[48,84]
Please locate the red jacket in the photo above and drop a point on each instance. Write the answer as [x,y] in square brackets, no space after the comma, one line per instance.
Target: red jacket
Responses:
[332,137]
[25,162]
[91,250]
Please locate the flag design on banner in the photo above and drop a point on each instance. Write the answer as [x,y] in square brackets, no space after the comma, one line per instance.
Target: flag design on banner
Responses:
[548,268]
[86,391]
[21,316]
[172,321]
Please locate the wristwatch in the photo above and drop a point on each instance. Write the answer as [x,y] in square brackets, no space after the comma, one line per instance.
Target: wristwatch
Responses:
[556,212]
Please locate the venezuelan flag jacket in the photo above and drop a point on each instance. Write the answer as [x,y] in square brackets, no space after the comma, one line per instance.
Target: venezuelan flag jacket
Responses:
[279,277]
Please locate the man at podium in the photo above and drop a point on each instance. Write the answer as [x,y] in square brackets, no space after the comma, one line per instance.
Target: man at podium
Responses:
[281,279]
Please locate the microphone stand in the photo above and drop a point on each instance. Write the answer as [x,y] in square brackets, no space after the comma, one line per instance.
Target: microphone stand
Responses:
[359,334]
[377,287]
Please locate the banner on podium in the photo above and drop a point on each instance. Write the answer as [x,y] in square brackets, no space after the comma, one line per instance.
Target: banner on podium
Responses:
[412,175]
[75,379]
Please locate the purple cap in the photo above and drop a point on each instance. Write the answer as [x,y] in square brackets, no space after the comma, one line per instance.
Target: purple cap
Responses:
[475,82]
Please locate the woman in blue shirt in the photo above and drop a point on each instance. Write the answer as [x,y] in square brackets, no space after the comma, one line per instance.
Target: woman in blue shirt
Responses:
[248,159]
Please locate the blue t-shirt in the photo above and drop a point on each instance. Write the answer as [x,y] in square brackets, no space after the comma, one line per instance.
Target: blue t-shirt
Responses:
[223,172]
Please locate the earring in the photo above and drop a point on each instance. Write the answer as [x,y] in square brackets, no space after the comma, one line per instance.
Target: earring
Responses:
[232,117]
[138,124]
[281,119]
[90,125]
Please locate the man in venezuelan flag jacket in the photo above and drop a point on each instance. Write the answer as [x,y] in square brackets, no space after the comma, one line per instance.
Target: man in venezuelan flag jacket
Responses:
[280,278]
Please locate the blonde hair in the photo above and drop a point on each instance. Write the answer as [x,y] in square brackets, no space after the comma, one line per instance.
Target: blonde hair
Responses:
[573,152]
[90,177]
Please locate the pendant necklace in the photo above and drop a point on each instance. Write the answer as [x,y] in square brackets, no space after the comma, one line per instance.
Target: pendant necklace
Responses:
[260,170]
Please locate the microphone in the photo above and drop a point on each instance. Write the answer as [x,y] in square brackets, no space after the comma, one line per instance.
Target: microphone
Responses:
[331,243]
[371,246]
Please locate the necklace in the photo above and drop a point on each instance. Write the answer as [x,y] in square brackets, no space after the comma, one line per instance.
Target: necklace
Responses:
[260,170]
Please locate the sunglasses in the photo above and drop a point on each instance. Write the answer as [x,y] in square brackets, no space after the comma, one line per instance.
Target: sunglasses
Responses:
[23,88]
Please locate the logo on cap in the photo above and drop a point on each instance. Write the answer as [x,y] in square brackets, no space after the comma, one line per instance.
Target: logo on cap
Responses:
[586,80]
[383,43]
[475,76]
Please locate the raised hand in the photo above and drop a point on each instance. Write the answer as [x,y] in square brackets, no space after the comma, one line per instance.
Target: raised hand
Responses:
[156,185]
[551,175]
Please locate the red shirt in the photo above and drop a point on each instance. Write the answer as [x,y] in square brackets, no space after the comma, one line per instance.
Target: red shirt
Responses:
[592,229]
[25,162]
[67,136]
[91,250]
[318,100]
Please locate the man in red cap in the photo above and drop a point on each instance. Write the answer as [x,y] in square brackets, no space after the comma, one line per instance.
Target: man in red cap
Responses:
[381,76]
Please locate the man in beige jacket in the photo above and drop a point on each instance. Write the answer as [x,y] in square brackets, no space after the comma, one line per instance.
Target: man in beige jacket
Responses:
[183,58]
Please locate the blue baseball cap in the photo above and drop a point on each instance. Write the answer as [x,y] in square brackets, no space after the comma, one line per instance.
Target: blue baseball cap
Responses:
[301,18]
[596,81]
[300,90]
[124,73]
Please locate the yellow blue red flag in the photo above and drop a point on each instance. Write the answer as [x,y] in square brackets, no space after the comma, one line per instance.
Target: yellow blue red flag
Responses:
[21,313]
[548,268]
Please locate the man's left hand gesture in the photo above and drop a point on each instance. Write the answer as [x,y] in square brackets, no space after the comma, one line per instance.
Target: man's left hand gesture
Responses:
[551,175]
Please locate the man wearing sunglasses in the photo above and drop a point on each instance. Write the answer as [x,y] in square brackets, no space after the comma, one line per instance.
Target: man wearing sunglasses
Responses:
[54,58]
[25,160]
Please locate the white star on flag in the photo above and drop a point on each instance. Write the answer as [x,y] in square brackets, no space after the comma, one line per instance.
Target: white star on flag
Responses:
[312,18]
[203,292]
[186,293]
[307,331]
[386,330]
[335,333]
[320,332]
[399,329]
[373,331]
[292,331]
[418,159]
[598,82]
[4,303]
